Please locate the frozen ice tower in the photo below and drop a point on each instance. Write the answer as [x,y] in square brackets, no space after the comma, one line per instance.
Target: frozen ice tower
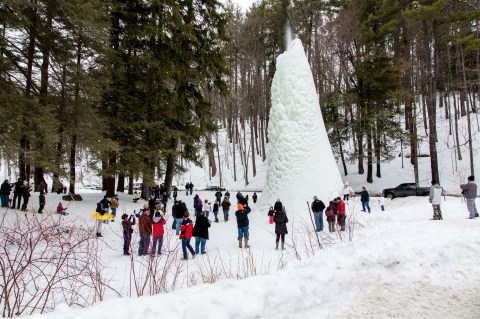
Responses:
[300,161]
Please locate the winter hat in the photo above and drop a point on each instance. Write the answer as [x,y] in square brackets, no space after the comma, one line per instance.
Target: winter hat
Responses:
[315,197]
[240,207]
[471,178]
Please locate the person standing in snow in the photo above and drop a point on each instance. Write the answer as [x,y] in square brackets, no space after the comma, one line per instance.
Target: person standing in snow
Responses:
[17,194]
[127,223]
[191,188]
[187,188]
[5,191]
[215,211]
[114,205]
[226,208]
[254,197]
[470,193]
[381,202]
[218,196]
[317,208]
[25,189]
[206,208]
[281,221]
[174,194]
[242,224]
[435,199]
[347,190]
[41,202]
[197,205]
[364,199]
[330,213]
[157,231]
[145,230]
[342,216]
[227,195]
[186,231]
[200,232]
[179,214]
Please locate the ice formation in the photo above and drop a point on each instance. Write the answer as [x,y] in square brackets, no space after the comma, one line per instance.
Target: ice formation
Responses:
[300,161]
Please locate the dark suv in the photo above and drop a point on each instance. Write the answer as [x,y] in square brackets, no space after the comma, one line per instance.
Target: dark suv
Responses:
[215,188]
[406,189]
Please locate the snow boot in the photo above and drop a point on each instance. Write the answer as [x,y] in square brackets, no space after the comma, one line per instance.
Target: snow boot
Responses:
[240,242]
[99,235]
[125,252]
[276,246]
[246,243]
[282,245]
[226,218]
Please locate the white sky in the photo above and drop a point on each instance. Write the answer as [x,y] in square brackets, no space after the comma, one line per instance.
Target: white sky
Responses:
[244,4]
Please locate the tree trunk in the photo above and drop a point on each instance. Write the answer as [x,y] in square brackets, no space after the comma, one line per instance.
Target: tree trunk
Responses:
[171,159]
[73,154]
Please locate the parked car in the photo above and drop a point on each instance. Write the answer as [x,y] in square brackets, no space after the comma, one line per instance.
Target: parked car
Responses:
[406,189]
[91,186]
[215,188]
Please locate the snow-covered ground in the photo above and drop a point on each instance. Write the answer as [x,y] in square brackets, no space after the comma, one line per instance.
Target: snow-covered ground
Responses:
[400,264]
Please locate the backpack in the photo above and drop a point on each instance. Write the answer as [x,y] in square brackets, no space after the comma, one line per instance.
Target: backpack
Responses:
[329,212]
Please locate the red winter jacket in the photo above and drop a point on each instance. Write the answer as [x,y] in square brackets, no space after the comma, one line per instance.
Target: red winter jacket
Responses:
[158,228]
[341,207]
[186,228]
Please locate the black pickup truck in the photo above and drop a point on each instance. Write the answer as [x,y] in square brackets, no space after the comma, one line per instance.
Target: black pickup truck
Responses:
[406,189]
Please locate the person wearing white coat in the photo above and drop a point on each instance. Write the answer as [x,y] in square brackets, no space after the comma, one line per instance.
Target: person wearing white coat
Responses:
[347,190]
[435,198]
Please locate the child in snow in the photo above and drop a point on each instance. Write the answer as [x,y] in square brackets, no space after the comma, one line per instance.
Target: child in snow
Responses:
[207,207]
[347,190]
[270,215]
[61,210]
[41,202]
[127,223]
[186,230]
[381,202]
[215,211]
[157,227]
[330,212]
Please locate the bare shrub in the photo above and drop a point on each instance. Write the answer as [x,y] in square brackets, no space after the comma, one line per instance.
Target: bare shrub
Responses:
[46,261]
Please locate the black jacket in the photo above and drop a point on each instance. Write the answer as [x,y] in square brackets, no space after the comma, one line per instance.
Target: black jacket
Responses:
[242,217]
[5,189]
[281,221]
[181,209]
[318,206]
[218,194]
[41,199]
[201,227]
[278,206]
[364,196]
[18,188]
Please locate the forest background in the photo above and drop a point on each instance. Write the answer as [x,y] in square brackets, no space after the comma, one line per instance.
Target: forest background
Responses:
[141,88]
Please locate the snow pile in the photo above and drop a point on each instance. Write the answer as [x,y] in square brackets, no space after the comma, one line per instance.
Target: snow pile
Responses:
[300,159]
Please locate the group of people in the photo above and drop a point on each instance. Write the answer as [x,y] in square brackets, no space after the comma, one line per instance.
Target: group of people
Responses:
[335,212]
[469,192]
[188,188]
[21,190]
